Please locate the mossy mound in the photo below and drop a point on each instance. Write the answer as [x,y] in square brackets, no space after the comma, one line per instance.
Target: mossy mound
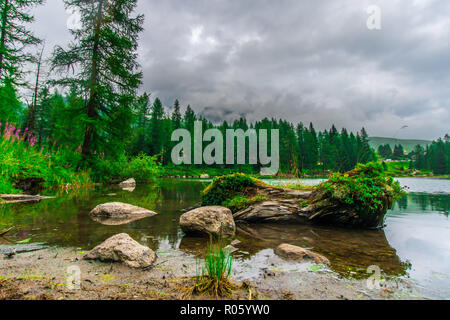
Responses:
[227,187]
[359,198]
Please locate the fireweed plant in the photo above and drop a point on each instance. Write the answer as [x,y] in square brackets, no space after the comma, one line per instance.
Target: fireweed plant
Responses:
[21,158]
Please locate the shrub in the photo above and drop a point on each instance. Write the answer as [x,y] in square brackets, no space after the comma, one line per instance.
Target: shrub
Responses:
[226,187]
[21,159]
[143,168]
[366,189]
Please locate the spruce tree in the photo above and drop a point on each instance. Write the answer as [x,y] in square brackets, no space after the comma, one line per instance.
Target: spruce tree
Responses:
[176,115]
[156,127]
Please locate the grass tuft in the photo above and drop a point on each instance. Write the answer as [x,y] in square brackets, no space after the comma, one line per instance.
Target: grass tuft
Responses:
[214,276]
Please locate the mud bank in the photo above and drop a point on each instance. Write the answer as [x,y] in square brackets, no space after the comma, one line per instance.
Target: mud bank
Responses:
[43,275]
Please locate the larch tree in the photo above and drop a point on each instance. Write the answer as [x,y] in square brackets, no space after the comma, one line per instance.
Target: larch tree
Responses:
[15,37]
[102,62]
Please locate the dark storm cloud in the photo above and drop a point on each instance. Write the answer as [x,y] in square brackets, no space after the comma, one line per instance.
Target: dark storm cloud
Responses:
[299,60]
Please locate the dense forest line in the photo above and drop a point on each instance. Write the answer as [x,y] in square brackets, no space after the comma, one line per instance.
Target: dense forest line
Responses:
[86,121]
[434,157]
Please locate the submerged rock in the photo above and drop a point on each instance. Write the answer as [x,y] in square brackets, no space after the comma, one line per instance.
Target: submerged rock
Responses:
[122,248]
[230,249]
[130,183]
[215,220]
[119,210]
[291,252]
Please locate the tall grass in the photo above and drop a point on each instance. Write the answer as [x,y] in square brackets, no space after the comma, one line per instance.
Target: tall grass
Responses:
[214,275]
[21,159]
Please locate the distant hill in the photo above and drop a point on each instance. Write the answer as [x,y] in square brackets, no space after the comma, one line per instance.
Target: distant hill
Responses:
[408,144]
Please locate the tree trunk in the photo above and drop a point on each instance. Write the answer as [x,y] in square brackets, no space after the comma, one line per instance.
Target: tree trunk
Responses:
[32,111]
[92,104]
[3,35]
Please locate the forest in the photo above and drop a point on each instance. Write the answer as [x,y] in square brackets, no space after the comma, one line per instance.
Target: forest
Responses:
[88,120]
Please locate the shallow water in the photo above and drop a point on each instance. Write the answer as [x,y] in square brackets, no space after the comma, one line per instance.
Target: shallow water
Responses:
[414,242]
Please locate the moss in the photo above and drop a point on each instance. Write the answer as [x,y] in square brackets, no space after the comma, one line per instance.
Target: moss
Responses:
[238,202]
[366,190]
[227,187]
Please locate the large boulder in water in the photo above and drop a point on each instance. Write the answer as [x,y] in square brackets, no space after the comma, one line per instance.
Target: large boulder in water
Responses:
[119,210]
[291,252]
[122,248]
[214,220]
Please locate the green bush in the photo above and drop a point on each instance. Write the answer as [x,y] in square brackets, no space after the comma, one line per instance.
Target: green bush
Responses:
[143,168]
[226,187]
[21,159]
[366,188]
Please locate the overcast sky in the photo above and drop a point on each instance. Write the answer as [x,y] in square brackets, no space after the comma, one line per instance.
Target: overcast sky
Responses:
[295,59]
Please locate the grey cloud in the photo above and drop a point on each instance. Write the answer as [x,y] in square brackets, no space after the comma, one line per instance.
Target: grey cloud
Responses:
[299,60]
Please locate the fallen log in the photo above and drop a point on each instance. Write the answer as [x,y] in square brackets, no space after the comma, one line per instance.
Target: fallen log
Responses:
[2,233]
[359,198]
[22,198]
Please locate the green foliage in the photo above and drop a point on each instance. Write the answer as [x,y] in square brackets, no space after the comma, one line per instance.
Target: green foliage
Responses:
[15,37]
[143,168]
[226,187]
[9,104]
[366,188]
[214,274]
[22,160]
[239,202]
[436,156]
[104,58]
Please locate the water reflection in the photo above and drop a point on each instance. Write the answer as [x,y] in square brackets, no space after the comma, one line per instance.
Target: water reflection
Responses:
[415,241]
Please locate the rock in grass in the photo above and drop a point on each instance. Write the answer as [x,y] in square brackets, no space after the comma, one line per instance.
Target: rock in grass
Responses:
[215,220]
[119,210]
[130,183]
[291,252]
[122,248]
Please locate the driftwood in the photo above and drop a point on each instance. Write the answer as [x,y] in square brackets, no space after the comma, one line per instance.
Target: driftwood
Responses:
[288,206]
[21,198]
[2,233]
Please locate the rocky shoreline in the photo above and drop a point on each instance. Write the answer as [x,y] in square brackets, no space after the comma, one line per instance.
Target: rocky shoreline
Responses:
[43,274]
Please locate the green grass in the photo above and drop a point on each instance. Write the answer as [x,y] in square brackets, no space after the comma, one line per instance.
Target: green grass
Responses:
[21,159]
[239,202]
[293,185]
[214,275]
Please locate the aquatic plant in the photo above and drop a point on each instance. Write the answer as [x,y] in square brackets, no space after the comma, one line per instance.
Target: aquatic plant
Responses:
[213,276]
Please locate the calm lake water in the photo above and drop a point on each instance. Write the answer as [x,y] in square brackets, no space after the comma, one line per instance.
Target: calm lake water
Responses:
[414,244]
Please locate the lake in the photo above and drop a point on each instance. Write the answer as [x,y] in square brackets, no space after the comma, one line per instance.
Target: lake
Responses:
[415,242]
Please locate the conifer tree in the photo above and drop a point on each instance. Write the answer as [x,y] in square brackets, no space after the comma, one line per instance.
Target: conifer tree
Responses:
[103,64]
[15,37]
